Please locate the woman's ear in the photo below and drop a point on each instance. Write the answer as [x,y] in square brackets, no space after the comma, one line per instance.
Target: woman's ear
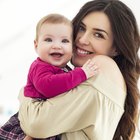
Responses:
[114,52]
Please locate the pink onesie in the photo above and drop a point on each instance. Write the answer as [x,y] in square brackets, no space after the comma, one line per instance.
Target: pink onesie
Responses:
[46,81]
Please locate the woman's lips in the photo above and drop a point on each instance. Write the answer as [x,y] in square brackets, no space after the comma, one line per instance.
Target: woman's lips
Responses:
[82,52]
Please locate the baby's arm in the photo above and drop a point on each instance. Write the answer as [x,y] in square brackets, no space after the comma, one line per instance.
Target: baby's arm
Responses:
[49,83]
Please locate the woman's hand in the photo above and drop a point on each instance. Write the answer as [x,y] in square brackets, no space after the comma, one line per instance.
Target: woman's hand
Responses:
[28,138]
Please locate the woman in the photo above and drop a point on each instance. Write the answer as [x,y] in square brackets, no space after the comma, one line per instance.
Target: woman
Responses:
[99,29]
[103,108]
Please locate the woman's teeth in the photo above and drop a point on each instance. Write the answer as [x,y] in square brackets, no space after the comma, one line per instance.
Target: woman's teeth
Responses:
[83,51]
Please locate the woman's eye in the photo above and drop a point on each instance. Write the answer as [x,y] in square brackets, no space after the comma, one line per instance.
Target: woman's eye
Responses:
[65,41]
[48,39]
[81,28]
[98,35]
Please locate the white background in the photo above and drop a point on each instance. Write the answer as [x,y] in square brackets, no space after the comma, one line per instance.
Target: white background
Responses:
[18,19]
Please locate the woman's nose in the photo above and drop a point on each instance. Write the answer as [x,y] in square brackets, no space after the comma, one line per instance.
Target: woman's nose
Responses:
[84,39]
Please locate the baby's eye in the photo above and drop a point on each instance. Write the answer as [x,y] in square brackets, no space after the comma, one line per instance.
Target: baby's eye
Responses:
[65,41]
[48,39]
[98,35]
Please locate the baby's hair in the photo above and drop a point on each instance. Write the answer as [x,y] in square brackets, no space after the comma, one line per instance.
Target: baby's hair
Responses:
[52,18]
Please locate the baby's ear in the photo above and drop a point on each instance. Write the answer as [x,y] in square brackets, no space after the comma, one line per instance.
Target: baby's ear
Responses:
[35,44]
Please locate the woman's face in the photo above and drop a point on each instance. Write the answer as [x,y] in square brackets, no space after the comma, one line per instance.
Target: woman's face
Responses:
[94,38]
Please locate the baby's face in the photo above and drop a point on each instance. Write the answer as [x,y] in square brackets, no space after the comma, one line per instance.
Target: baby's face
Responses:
[54,44]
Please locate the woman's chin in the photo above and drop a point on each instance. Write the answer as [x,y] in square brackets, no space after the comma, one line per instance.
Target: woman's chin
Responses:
[77,62]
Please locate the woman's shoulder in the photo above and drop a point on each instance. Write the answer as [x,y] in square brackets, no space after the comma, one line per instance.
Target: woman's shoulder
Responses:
[103,61]
[110,70]
[109,81]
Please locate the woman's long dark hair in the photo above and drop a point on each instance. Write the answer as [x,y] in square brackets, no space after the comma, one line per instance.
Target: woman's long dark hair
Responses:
[127,42]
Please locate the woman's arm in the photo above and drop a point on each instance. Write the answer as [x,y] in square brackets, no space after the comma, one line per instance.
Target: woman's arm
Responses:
[72,111]
[66,112]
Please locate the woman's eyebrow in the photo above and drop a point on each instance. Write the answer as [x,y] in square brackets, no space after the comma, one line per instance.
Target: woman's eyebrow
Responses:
[82,24]
[96,29]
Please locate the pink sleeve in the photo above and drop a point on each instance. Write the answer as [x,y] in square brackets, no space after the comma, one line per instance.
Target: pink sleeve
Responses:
[50,84]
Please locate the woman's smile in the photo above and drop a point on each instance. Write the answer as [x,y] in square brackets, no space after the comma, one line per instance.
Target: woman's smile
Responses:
[82,52]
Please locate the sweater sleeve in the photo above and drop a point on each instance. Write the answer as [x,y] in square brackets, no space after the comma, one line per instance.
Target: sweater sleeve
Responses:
[64,113]
[51,82]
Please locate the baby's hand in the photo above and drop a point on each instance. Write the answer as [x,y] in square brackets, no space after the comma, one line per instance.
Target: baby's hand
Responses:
[90,68]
